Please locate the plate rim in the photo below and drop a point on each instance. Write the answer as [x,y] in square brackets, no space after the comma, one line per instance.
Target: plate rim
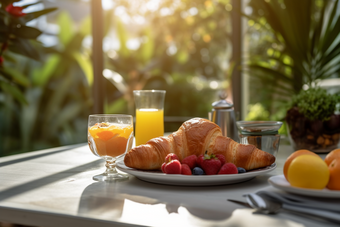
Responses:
[185,180]
[325,193]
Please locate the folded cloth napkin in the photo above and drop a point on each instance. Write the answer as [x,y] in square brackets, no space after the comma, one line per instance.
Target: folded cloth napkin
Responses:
[326,204]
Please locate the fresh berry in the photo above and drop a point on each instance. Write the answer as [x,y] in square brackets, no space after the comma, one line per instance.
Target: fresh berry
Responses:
[221,158]
[241,170]
[185,170]
[171,157]
[199,160]
[211,165]
[197,171]
[228,168]
[163,167]
[190,161]
[173,167]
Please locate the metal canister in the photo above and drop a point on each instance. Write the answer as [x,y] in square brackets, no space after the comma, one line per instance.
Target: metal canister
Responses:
[224,116]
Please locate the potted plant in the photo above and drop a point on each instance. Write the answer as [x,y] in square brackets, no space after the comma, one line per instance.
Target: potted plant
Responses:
[314,121]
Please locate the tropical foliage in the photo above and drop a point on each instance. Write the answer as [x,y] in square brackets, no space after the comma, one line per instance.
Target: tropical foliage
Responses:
[297,44]
[17,37]
[58,97]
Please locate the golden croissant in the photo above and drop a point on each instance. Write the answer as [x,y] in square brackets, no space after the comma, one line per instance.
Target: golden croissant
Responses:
[195,137]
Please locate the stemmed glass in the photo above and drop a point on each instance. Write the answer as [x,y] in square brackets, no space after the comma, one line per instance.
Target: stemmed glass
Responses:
[110,136]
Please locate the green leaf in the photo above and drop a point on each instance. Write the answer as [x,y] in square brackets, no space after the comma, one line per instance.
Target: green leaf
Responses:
[25,48]
[66,31]
[3,27]
[26,32]
[85,27]
[28,5]
[6,2]
[108,17]
[86,65]
[16,75]
[74,44]
[29,116]
[65,115]
[123,37]
[147,47]
[3,37]
[42,75]
[182,56]
[13,91]
[31,16]
[273,72]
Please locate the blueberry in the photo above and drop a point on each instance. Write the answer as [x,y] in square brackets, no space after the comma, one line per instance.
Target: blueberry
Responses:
[197,171]
[241,170]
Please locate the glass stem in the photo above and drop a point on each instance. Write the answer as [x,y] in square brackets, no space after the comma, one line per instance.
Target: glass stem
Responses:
[111,168]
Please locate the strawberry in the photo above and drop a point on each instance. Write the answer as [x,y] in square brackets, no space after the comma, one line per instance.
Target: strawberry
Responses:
[170,157]
[228,168]
[163,167]
[211,165]
[221,158]
[173,167]
[190,161]
[186,170]
[199,160]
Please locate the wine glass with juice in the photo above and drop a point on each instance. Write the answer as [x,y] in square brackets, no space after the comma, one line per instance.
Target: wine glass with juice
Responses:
[110,136]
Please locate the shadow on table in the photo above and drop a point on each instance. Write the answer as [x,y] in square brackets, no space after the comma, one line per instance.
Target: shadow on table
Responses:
[47,152]
[40,182]
[110,199]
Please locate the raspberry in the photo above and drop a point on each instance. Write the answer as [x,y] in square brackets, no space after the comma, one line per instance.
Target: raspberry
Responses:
[170,157]
[211,165]
[221,158]
[190,161]
[228,168]
[199,160]
[173,167]
[163,167]
[185,170]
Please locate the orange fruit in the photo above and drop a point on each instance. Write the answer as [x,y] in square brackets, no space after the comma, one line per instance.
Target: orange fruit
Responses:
[292,157]
[105,135]
[332,155]
[308,171]
[334,171]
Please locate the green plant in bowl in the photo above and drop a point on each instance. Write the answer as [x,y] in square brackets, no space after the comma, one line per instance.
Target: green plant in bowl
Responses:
[312,120]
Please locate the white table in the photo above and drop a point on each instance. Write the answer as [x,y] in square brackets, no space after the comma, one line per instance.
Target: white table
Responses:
[54,187]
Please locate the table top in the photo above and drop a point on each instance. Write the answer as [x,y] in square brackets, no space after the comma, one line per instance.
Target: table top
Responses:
[54,187]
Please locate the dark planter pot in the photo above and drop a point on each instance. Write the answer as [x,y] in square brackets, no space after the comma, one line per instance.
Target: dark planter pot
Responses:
[316,136]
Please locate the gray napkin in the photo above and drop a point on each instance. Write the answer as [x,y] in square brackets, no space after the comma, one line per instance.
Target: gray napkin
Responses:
[327,208]
[329,204]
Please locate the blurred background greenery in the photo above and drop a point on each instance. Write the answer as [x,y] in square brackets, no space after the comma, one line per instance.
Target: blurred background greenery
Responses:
[182,47]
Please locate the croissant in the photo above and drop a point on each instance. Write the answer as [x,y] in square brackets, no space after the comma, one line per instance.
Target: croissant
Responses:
[196,136]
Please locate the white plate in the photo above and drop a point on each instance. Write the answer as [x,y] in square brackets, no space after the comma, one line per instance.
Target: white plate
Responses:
[280,182]
[192,180]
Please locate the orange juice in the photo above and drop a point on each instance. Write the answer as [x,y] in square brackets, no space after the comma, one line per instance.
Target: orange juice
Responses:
[110,139]
[149,124]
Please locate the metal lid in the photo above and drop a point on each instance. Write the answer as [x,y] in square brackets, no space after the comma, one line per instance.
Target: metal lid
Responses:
[222,104]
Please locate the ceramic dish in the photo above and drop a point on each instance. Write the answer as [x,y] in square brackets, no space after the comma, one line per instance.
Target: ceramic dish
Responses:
[280,182]
[193,180]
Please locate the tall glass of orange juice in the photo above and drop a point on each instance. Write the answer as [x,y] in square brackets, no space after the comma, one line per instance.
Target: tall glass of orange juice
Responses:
[110,136]
[149,115]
